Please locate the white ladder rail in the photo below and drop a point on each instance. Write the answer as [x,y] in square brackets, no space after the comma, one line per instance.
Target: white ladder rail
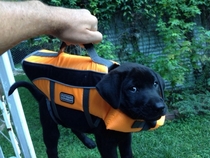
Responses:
[15,108]
[13,138]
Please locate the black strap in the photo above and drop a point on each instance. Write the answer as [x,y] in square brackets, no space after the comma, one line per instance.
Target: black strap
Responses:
[97,59]
[146,127]
[50,111]
[86,109]
[93,55]
[138,124]
[52,98]
[141,124]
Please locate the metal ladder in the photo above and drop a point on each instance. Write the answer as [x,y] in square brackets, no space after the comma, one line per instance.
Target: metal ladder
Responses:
[7,121]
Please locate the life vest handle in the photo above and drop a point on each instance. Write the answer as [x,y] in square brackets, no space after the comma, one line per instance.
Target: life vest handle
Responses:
[93,55]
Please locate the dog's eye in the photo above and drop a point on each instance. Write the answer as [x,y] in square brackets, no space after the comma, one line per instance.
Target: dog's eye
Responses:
[133,89]
[155,84]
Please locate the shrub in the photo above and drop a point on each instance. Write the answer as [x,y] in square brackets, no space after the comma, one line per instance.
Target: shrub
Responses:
[193,104]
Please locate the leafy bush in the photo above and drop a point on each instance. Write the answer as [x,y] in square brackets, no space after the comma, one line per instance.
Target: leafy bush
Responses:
[184,49]
[193,104]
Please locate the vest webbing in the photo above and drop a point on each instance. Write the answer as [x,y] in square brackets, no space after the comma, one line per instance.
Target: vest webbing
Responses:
[70,80]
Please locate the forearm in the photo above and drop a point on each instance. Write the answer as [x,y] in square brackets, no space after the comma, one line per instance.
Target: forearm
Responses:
[23,20]
[20,21]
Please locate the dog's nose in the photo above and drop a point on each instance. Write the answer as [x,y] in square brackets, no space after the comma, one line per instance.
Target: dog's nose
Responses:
[159,107]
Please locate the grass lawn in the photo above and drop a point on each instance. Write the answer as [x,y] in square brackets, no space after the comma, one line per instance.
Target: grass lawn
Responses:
[186,138]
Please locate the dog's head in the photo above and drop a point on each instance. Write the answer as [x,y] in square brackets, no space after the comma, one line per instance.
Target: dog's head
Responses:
[136,90]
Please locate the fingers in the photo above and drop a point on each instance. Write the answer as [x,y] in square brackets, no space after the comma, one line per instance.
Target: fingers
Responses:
[92,32]
[86,38]
[84,32]
[76,26]
[91,29]
[94,28]
[95,37]
[94,23]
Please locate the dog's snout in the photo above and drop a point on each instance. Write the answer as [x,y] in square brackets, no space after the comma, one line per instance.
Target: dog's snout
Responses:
[159,106]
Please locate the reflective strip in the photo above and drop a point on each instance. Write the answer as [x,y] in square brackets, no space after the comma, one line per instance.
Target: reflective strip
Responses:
[45,53]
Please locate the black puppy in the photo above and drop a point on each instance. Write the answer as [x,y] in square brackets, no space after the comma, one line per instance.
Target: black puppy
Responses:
[133,88]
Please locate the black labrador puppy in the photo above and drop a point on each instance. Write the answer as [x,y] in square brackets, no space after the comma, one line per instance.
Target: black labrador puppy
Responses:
[133,88]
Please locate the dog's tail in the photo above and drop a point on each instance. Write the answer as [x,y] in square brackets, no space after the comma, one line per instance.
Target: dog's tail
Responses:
[34,91]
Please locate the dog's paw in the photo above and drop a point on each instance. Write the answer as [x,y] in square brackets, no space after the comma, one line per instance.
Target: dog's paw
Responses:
[88,142]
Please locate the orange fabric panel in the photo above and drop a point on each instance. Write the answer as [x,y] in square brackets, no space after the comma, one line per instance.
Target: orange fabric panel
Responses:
[120,122]
[116,120]
[68,61]
[44,86]
[97,105]
[77,93]
[160,122]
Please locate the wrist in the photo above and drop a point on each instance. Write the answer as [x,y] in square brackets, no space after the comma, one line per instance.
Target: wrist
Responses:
[56,20]
[45,17]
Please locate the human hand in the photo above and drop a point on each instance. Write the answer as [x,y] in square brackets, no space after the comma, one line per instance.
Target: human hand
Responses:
[75,26]
[28,19]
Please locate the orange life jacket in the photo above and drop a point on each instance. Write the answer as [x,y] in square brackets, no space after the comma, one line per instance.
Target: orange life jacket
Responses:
[70,80]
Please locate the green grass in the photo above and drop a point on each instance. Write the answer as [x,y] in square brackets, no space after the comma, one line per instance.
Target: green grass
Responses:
[181,138]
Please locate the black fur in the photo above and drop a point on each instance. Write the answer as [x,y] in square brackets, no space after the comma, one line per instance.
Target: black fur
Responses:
[132,88]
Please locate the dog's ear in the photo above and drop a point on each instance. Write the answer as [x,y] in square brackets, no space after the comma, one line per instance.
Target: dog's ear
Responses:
[110,89]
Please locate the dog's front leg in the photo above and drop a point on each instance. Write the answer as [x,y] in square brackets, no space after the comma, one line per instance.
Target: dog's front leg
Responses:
[51,142]
[107,142]
[107,148]
[50,132]
[125,146]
